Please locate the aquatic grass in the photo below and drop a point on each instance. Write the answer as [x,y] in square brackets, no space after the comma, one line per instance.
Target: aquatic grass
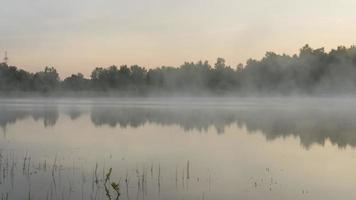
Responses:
[64,182]
[115,186]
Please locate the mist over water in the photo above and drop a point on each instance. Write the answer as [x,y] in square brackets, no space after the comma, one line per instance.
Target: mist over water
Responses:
[250,148]
[310,120]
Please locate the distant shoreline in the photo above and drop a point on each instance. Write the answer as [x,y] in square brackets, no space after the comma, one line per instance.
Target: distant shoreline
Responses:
[313,72]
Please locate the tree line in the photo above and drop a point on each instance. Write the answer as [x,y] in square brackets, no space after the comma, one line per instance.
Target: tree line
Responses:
[311,71]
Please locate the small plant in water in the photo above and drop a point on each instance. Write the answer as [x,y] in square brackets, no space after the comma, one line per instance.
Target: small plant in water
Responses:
[115,186]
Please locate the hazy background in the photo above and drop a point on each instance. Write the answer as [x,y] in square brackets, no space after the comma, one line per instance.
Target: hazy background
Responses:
[78,35]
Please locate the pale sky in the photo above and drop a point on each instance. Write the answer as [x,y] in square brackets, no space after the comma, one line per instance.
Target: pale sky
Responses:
[79,35]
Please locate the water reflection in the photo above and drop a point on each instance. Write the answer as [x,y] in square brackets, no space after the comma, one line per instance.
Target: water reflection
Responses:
[10,115]
[311,125]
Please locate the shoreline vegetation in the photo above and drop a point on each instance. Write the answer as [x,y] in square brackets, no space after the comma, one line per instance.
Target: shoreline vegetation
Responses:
[311,72]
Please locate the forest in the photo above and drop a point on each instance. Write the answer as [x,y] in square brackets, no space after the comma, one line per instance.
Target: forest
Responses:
[311,71]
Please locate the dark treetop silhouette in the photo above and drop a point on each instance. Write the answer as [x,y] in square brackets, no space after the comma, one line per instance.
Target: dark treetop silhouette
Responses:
[312,71]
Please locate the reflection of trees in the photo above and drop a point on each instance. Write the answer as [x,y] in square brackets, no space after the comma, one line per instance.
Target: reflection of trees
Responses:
[74,113]
[311,126]
[187,118]
[10,115]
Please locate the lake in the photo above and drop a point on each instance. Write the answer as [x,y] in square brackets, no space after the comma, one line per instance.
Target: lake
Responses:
[178,148]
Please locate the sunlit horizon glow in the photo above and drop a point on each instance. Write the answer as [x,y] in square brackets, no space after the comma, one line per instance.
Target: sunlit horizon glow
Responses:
[77,36]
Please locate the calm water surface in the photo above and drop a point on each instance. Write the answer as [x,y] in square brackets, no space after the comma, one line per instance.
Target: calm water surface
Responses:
[168,150]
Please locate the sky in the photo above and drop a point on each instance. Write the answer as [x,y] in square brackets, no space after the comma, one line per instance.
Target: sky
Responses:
[79,35]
